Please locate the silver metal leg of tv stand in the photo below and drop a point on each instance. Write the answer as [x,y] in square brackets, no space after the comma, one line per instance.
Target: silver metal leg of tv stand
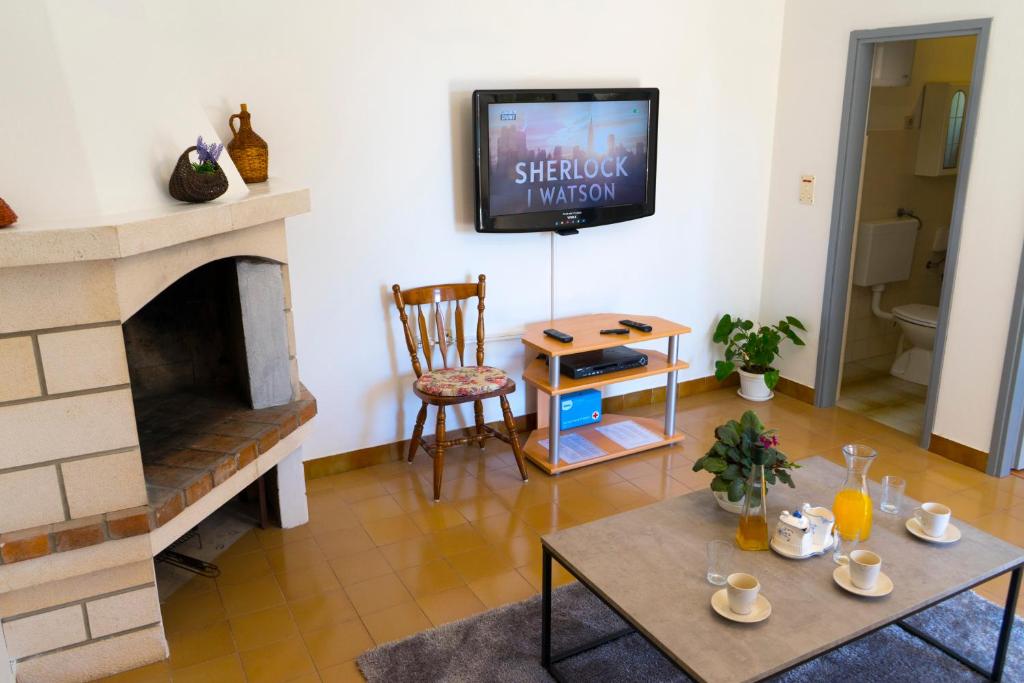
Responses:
[670,388]
[554,412]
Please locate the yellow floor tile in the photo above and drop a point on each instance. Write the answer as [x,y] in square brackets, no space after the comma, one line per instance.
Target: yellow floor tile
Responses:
[501,589]
[257,629]
[392,529]
[379,507]
[523,550]
[226,669]
[152,673]
[344,543]
[283,661]
[322,610]
[411,552]
[347,672]
[361,566]
[274,537]
[547,517]
[301,583]
[440,516]
[236,569]
[481,562]
[295,555]
[192,647]
[432,577]
[533,573]
[246,543]
[502,526]
[251,596]
[395,623]
[457,539]
[376,594]
[451,605]
[479,507]
[192,612]
[337,643]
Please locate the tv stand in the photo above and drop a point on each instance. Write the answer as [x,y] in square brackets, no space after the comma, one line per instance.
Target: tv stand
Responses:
[547,379]
[564,232]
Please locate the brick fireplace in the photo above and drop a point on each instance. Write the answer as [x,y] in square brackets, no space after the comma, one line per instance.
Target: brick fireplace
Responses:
[148,376]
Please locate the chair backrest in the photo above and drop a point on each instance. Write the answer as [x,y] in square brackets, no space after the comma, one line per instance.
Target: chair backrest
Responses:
[436,299]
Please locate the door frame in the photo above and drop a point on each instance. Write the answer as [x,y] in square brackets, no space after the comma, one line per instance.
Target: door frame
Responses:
[845,198]
[1008,427]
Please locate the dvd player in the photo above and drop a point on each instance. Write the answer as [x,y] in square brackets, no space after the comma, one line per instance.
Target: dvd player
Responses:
[601,362]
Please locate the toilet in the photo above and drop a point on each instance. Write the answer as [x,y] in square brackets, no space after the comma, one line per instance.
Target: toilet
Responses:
[885,253]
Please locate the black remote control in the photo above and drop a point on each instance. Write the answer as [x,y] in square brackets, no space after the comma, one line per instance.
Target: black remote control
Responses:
[560,336]
[643,327]
[616,330]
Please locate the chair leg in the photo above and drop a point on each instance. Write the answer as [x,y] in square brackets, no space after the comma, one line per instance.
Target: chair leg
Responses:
[439,437]
[478,412]
[510,425]
[417,431]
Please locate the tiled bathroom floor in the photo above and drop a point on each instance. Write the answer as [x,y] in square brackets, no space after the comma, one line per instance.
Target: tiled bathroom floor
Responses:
[868,388]
[379,561]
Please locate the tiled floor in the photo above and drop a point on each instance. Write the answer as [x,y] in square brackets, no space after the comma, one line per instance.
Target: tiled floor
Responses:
[379,561]
[869,389]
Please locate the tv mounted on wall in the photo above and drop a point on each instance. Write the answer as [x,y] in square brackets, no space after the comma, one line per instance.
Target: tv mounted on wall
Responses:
[564,159]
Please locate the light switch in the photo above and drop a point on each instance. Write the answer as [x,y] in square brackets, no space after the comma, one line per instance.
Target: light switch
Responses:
[806,189]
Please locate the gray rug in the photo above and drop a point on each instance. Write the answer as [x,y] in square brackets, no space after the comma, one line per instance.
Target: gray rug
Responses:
[504,645]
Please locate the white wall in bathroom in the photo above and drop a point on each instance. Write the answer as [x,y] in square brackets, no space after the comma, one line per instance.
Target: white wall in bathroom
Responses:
[814,50]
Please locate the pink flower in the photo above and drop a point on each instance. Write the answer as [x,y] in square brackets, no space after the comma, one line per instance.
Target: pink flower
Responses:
[768,441]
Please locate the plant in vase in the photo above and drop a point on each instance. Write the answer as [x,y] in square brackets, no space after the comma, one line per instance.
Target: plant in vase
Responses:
[738,448]
[752,351]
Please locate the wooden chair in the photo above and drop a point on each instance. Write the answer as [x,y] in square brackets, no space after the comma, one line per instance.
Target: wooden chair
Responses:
[448,386]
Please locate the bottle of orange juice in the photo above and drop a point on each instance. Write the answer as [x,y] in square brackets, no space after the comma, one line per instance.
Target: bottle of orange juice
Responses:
[852,506]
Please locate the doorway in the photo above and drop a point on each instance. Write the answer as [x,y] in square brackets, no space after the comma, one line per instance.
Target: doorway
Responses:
[904,156]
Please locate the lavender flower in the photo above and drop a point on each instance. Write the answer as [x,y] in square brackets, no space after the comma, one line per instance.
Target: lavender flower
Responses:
[208,153]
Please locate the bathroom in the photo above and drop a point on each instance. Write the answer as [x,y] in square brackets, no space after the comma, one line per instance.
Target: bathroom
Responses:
[915,122]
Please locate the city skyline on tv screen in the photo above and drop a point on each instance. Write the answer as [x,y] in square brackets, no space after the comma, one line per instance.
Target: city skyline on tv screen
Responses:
[548,156]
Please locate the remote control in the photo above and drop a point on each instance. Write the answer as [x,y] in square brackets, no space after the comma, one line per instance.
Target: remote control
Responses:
[616,330]
[560,336]
[643,327]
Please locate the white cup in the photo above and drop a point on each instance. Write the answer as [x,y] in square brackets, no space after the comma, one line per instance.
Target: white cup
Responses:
[864,569]
[742,590]
[933,518]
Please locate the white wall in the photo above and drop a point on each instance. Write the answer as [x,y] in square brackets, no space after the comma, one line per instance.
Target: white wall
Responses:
[813,64]
[368,103]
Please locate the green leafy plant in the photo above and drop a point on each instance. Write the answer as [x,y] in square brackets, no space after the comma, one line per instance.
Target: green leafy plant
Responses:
[738,447]
[753,350]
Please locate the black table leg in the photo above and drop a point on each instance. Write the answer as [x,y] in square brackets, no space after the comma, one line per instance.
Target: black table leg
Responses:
[1009,614]
[545,618]
[1002,645]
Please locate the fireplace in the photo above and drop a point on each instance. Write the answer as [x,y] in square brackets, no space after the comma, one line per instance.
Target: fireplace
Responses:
[150,376]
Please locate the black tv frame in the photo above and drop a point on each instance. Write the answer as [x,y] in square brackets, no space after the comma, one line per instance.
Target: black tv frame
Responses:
[565,221]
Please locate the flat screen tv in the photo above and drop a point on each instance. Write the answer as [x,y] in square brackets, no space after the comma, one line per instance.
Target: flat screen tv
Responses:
[564,159]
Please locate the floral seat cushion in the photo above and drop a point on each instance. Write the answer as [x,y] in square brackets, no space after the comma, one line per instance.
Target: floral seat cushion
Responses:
[468,381]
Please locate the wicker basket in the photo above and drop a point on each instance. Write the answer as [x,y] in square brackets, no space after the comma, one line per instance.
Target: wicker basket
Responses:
[247,149]
[188,185]
[7,215]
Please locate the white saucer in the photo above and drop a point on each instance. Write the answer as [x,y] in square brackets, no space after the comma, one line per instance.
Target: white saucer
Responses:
[793,556]
[883,586]
[770,396]
[952,534]
[761,611]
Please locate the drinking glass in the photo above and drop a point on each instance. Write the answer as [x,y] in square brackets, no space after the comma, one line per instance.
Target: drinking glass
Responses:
[719,561]
[892,494]
[844,546]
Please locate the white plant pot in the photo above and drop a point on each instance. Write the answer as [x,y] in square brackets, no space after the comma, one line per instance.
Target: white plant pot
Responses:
[727,505]
[752,386]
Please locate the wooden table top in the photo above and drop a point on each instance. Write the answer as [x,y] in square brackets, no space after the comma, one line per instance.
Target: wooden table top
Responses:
[651,564]
[586,332]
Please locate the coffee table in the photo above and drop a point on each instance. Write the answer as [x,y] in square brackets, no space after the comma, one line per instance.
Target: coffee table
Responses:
[649,566]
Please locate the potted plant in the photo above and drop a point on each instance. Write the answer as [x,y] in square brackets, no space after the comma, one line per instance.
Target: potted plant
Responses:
[752,352]
[739,446]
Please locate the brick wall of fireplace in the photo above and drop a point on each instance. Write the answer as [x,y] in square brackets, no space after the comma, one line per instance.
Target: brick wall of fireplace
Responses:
[88,495]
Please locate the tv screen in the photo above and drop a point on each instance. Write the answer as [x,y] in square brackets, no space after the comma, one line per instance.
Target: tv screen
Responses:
[564,159]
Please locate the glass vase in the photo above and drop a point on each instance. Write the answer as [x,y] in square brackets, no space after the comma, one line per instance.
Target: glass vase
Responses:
[752,533]
[852,506]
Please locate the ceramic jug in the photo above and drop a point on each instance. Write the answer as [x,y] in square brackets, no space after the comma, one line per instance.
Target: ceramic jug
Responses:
[820,522]
[793,534]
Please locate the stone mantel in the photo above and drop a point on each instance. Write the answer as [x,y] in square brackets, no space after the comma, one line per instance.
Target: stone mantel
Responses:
[113,237]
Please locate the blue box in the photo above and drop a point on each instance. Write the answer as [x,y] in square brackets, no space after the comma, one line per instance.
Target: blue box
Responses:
[580,408]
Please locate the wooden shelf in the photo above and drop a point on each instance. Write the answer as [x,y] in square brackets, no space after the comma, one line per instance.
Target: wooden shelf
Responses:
[536,374]
[586,332]
[539,455]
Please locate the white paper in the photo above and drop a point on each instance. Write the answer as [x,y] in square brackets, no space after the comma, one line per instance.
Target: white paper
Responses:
[574,448]
[628,434]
